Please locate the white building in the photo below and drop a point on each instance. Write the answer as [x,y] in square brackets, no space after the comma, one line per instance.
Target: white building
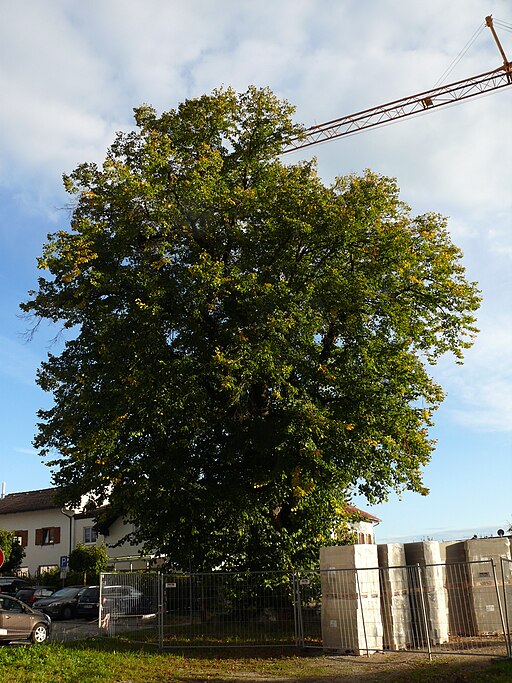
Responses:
[365,526]
[49,533]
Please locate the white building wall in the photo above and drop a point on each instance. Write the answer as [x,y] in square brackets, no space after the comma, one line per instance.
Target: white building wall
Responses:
[39,555]
[71,533]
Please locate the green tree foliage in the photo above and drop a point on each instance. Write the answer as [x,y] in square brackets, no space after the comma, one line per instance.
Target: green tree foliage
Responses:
[250,345]
[89,561]
[13,552]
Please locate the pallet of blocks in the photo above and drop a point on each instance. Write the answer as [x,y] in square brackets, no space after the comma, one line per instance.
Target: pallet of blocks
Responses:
[351,617]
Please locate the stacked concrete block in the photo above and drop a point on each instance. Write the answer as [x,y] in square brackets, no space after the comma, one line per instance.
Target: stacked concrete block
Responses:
[429,598]
[394,596]
[461,617]
[487,585]
[351,616]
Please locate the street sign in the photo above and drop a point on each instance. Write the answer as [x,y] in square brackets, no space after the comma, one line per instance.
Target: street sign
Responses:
[2,557]
[64,561]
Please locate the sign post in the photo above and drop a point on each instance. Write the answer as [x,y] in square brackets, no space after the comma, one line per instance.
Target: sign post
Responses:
[2,557]
[63,567]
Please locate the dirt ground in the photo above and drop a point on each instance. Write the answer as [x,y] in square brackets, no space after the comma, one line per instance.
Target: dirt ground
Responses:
[385,668]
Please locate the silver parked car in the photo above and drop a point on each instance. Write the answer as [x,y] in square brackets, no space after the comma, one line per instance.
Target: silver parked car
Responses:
[21,622]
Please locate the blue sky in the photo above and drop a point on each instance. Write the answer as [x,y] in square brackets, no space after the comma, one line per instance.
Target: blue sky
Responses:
[70,74]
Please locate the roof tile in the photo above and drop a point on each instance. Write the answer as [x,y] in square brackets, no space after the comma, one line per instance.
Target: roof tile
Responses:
[27,501]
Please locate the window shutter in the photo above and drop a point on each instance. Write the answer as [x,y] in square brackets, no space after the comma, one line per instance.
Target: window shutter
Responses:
[39,537]
[56,534]
[23,536]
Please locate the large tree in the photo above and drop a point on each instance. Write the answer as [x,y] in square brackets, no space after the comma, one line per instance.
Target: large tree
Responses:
[247,345]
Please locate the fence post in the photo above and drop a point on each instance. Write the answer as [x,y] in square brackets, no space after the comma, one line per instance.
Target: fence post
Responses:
[297,611]
[499,604]
[505,602]
[161,609]
[424,611]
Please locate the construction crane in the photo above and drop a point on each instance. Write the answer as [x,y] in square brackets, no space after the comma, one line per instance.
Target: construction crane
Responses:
[408,106]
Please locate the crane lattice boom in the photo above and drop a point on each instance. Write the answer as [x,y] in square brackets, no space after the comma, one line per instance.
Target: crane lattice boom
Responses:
[408,106]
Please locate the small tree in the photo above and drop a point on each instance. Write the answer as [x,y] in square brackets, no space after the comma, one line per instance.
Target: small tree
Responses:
[88,560]
[13,552]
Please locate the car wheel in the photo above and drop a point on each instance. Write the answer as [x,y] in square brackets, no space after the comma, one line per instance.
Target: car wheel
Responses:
[39,634]
[67,613]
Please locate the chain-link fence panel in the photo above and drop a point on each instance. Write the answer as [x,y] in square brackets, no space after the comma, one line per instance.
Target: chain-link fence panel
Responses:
[441,608]
[229,609]
[463,607]
[130,604]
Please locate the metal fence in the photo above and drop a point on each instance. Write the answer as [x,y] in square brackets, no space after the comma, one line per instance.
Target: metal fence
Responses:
[131,603]
[443,608]
[506,583]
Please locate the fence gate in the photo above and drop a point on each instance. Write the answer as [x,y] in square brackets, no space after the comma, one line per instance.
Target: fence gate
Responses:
[130,604]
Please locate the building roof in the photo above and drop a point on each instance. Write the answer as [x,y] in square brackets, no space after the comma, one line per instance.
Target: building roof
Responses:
[366,516]
[28,501]
[42,499]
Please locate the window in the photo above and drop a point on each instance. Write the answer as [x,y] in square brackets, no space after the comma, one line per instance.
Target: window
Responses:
[22,572]
[44,568]
[8,605]
[90,534]
[21,537]
[48,535]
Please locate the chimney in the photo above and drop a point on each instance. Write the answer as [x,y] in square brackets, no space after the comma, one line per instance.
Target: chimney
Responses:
[3,491]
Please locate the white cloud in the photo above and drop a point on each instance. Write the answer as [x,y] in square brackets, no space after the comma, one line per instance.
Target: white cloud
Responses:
[26,451]
[480,392]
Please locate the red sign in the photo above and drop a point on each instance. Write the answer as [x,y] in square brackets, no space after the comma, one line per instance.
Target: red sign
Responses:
[2,558]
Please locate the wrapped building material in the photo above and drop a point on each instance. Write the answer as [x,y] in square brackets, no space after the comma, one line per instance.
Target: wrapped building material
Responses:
[428,595]
[351,617]
[486,585]
[394,597]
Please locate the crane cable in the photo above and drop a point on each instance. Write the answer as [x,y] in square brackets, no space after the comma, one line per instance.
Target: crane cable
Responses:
[503,24]
[460,55]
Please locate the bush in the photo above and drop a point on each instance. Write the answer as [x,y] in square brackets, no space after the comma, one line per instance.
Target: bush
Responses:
[88,561]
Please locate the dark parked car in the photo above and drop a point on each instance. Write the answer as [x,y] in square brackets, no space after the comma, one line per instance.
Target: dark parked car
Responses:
[89,603]
[61,604]
[12,584]
[30,594]
[115,600]
[20,622]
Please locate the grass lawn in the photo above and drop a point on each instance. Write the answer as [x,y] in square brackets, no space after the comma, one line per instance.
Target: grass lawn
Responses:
[112,661]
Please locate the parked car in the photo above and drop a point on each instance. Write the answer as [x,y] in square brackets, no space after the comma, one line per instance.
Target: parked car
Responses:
[32,593]
[12,584]
[88,603]
[61,604]
[115,599]
[20,622]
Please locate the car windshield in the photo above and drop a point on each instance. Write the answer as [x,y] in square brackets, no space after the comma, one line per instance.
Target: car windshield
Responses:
[90,593]
[66,593]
